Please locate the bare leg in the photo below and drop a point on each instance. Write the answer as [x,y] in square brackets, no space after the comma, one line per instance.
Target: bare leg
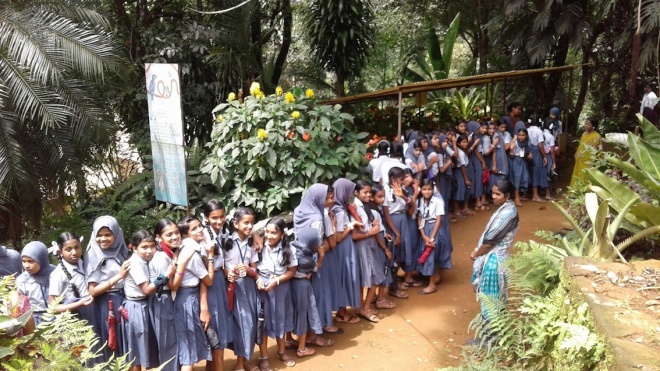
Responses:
[218,361]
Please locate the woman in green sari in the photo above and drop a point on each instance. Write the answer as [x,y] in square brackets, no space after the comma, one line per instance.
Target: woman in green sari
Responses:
[583,158]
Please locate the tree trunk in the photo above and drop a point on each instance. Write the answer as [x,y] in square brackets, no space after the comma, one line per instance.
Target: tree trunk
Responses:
[286,42]
[339,85]
[636,45]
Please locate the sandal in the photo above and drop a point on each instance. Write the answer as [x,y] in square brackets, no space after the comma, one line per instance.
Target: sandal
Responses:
[305,352]
[324,343]
[385,304]
[413,283]
[369,316]
[286,359]
[351,319]
[399,294]
[402,286]
[290,344]
[264,365]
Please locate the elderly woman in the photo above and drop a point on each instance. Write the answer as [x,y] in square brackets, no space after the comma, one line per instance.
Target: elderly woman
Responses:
[488,273]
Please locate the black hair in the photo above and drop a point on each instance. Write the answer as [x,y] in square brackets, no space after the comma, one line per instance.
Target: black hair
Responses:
[239,213]
[184,224]
[330,189]
[280,224]
[423,183]
[461,138]
[499,122]
[594,121]
[419,176]
[396,149]
[505,186]
[418,143]
[407,171]
[361,184]
[396,172]
[372,205]
[383,148]
[407,134]
[513,105]
[140,236]
[161,225]
[63,238]
[209,207]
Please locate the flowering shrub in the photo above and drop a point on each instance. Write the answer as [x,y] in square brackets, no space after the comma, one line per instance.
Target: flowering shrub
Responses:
[266,150]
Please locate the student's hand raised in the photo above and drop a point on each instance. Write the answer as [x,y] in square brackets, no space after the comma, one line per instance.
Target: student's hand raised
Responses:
[396,187]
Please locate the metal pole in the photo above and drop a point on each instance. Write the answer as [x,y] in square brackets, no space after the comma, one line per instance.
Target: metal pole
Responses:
[400,113]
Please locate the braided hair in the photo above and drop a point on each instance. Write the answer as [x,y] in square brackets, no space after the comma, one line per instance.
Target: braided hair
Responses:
[209,207]
[61,240]
[280,224]
[239,213]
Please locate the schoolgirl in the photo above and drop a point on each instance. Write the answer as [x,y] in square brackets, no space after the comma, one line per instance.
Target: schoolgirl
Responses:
[168,242]
[241,270]
[487,150]
[311,214]
[520,154]
[140,339]
[213,299]
[501,160]
[445,175]
[415,159]
[431,210]
[68,278]
[476,163]
[106,267]
[539,175]
[411,188]
[305,312]
[383,256]
[34,280]
[192,344]
[276,267]
[394,214]
[463,182]
[549,146]
[347,293]
[366,244]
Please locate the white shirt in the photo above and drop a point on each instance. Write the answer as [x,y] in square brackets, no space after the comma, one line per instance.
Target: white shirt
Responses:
[195,269]
[138,274]
[158,265]
[271,261]
[549,140]
[394,203]
[485,144]
[517,151]
[535,136]
[649,101]
[35,292]
[374,167]
[60,284]
[385,167]
[342,221]
[361,211]
[105,273]
[462,158]
[431,211]
[240,253]
[219,260]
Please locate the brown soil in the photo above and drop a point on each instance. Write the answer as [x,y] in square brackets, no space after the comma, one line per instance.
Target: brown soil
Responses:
[424,332]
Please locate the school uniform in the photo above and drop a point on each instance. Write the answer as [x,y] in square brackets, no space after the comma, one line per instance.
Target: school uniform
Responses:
[60,284]
[502,159]
[347,293]
[246,305]
[139,341]
[305,312]
[461,193]
[161,314]
[327,279]
[446,181]
[484,147]
[192,345]
[474,170]
[372,273]
[278,303]
[441,253]
[385,168]
[539,176]
[413,238]
[519,175]
[374,167]
[548,145]
[397,209]
[380,259]
[216,297]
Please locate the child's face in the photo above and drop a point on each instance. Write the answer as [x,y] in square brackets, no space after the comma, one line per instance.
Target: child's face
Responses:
[105,238]
[463,144]
[244,225]
[171,236]
[407,180]
[417,152]
[491,130]
[146,250]
[551,115]
[364,194]
[425,144]
[502,128]
[483,129]
[521,136]
[71,251]
[396,181]
[461,128]
[379,198]
[329,199]
[435,142]
[196,231]
[29,265]
[273,235]
[217,219]
[427,191]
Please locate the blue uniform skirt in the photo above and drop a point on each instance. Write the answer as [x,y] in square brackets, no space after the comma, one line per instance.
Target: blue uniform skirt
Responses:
[477,188]
[548,167]
[305,313]
[244,315]
[100,325]
[519,174]
[381,262]
[445,190]
[221,321]
[443,255]
[139,340]
[278,309]
[162,321]
[489,184]
[324,284]
[414,241]
[539,172]
[402,253]
[348,293]
[461,193]
[371,270]
[191,339]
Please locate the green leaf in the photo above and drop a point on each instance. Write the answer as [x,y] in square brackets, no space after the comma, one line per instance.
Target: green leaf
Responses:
[448,43]
[362,135]
[271,157]
[651,133]
[646,157]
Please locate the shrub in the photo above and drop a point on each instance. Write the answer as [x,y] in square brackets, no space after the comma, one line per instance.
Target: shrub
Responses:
[266,150]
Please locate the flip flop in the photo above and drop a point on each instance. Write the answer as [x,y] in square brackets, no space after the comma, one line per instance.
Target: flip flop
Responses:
[286,359]
[325,344]
[370,316]
[422,292]
[351,319]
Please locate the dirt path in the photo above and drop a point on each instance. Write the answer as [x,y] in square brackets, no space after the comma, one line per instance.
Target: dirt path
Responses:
[423,332]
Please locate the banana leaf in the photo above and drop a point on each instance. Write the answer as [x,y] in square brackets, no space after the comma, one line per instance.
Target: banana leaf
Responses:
[651,133]
[646,157]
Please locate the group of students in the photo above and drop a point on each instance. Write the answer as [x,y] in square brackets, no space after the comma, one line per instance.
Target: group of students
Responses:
[185,292]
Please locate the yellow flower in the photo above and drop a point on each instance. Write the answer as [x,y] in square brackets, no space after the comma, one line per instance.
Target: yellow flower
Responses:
[218,118]
[309,93]
[295,114]
[279,91]
[231,97]
[255,88]
[262,134]
[289,98]
[259,95]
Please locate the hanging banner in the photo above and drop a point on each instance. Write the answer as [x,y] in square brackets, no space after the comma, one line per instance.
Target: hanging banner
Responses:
[166,127]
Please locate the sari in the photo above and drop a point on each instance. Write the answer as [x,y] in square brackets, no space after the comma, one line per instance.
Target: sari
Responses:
[488,273]
[583,157]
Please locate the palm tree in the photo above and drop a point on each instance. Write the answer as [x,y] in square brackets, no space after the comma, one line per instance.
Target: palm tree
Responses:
[53,57]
